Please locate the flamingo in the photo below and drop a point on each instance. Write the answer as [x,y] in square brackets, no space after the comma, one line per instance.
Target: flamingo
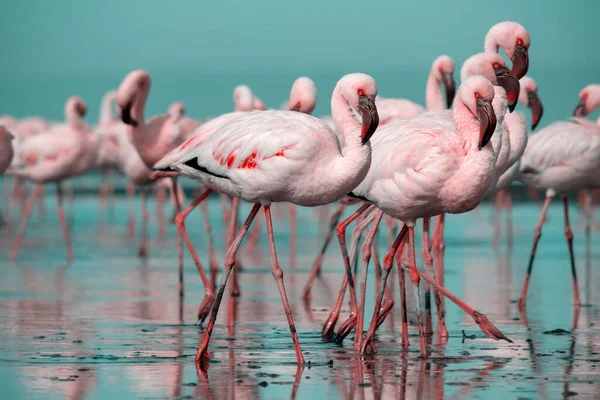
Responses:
[63,152]
[440,75]
[562,157]
[515,41]
[424,167]
[273,156]
[155,137]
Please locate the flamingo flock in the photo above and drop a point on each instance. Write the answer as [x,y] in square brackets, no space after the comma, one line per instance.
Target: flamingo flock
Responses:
[398,162]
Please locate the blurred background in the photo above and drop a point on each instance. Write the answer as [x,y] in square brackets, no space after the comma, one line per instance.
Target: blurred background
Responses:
[197,51]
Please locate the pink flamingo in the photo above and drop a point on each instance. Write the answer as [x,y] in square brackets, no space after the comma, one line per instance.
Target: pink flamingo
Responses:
[426,167]
[262,157]
[562,157]
[152,138]
[440,75]
[63,152]
[514,40]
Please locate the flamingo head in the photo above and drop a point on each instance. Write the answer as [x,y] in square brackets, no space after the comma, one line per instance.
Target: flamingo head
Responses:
[589,101]
[359,91]
[443,66]
[75,107]
[514,40]
[129,96]
[303,97]
[243,99]
[493,67]
[176,110]
[528,96]
[258,104]
[477,94]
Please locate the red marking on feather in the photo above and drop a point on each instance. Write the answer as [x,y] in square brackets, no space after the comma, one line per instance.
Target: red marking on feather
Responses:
[31,159]
[249,162]
[188,143]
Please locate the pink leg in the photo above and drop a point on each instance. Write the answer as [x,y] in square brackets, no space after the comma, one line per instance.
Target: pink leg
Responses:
[175,194]
[278,275]
[402,284]
[537,233]
[439,247]
[365,220]
[428,261]
[569,236]
[24,219]
[293,234]
[387,267]
[316,269]
[63,221]
[180,223]
[329,326]
[201,354]
[131,221]
[214,264]
[388,297]
[143,246]
[416,280]
[224,199]
[235,288]
[366,257]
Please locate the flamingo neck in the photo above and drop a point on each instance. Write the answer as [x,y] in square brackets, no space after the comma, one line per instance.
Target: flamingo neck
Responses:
[353,165]
[467,127]
[74,120]
[106,110]
[139,104]
[433,93]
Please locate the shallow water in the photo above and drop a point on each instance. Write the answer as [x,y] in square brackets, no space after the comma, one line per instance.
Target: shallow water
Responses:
[109,324]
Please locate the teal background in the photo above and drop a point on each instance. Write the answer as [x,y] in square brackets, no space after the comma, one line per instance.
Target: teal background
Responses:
[197,51]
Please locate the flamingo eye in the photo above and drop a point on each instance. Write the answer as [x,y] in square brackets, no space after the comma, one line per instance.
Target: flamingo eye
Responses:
[477,95]
[361,92]
[519,42]
[496,65]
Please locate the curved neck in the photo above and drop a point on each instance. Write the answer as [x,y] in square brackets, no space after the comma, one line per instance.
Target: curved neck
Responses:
[467,126]
[348,125]
[74,120]
[139,103]
[433,94]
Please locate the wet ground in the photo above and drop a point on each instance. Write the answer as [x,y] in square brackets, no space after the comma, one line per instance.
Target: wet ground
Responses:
[108,325]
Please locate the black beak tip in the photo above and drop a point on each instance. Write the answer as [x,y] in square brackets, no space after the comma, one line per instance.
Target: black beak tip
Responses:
[511,107]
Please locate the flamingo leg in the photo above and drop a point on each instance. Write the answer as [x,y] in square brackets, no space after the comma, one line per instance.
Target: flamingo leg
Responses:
[387,267]
[201,353]
[224,199]
[569,236]
[366,257]
[537,233]
[278,275]
[214,264]
[348,279]
[360,227]
[416,280]
[63,220]
[131,220]
[402,284]
[175,194]
[143,246]
[316,269]
[428,261]
[180,223]
[293,234]
[439,247]
[235,287]
[24,219]
[388,297]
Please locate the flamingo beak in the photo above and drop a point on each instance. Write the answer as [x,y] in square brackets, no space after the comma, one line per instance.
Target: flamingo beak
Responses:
[296,107]
[520,61]
[510,84]
[449,86]
[126,115]
[487,121]
[536,107]
[581,109]
[370,117]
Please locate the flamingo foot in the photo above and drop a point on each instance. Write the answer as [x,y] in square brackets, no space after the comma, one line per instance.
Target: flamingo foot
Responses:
[346,328]
[488,328]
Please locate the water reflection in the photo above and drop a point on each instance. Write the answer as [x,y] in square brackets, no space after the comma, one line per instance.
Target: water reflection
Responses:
[110,325]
